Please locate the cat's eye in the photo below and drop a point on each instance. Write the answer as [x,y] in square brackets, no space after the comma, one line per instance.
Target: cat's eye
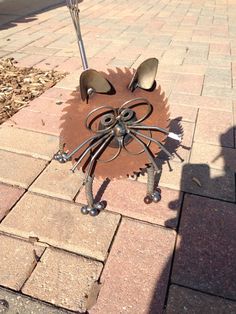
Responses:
[127,114]
[107,119]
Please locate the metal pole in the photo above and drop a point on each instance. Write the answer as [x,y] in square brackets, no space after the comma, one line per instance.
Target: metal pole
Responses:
[74,12]
[83,54]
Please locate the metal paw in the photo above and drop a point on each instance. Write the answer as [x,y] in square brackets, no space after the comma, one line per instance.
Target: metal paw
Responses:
[99,206]
[154,197]
[92,211]
[148,199]
[61,157]
[85,210]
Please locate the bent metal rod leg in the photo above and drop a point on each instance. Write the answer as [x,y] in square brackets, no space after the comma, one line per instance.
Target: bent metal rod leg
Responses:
[89,191]
[152,194]
[150,180]
[93,209]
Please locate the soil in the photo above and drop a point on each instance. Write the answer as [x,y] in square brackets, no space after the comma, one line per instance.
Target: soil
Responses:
[18,86]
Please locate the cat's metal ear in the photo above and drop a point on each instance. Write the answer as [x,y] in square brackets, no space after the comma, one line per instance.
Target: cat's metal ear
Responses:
[145,75]
[91,82]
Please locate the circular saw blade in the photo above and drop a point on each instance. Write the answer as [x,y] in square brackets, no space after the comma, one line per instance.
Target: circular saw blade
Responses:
[74,132]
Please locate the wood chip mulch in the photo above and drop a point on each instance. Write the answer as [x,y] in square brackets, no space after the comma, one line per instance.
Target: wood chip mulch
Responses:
[18,86]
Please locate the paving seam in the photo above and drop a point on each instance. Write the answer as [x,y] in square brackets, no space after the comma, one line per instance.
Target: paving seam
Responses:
[174,251]
[11,208]
[48,245]
[24,154]
[205,196]
[26,190]
[234,122]
[109,250]
[204,292]
[144,221]
[194,131]
[30,130]
[36,264]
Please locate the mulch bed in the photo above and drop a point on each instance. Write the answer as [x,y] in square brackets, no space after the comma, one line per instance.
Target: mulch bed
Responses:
[18,86]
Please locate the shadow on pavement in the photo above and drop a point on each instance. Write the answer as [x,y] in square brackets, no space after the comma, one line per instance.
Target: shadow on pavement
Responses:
[24,11]
[205,254]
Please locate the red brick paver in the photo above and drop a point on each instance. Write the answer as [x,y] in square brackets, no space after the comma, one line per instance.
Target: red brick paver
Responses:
[35,121]
[62,225]
[211,130]
[9,195]
[56,268]
[136,274]
[34,144]
[201,101]
[51,63]
[59,94]
[58,181]
[48,106]
[18,169]
[189,84]
[15,252]
[185,113]
[30,61]
[205,250]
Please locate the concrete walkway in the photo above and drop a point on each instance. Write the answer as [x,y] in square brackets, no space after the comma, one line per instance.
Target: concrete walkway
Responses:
[178,256]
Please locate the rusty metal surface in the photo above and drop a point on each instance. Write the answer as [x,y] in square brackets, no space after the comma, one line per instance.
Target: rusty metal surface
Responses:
[74,132]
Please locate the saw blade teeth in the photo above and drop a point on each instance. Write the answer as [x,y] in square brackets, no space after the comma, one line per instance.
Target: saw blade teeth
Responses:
[73,131]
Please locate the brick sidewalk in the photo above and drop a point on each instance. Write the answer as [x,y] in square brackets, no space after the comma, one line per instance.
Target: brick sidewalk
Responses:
[178,255]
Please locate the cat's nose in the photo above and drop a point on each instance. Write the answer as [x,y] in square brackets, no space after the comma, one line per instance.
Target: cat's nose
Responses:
[120,129]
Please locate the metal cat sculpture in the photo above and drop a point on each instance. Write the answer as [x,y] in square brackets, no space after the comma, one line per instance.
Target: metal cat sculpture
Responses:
[122,124]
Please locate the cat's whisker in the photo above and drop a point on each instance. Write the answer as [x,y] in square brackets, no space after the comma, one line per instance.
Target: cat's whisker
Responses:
[150,157]
[88,149]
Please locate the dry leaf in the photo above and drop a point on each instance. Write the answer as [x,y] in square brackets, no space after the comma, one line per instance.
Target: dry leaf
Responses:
[25,83]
